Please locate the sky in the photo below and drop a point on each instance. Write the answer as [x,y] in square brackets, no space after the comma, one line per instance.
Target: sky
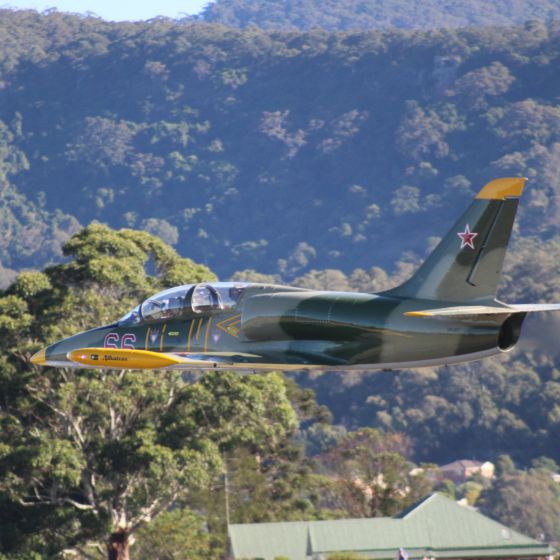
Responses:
[115,10]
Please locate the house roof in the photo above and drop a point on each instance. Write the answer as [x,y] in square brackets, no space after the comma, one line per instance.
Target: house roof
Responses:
[436,526]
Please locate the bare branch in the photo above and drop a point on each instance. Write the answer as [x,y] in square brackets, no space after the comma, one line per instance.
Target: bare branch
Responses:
[113,427]
[78,505]
[71,423]
[54,501]
[152,511]
[88,481]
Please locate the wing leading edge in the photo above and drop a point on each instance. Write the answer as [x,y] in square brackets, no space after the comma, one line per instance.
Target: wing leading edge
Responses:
[468,311]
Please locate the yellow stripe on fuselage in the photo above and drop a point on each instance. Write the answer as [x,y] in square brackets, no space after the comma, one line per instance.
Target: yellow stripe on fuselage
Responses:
[190,334]
[207,333]
[162,336]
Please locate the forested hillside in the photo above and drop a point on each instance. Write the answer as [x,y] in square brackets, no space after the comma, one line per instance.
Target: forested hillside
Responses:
[279,152]
[334,15]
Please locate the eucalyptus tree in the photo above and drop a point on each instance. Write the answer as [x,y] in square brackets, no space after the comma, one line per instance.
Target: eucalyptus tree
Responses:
[88,457]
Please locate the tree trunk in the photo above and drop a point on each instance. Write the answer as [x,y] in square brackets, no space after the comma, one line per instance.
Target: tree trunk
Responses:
[118,547]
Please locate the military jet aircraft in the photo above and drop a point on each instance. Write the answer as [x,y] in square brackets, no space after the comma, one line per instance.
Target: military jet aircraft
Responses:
[447,312]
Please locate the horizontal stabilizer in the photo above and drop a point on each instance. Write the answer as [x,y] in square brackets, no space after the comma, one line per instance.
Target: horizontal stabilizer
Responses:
[467,311]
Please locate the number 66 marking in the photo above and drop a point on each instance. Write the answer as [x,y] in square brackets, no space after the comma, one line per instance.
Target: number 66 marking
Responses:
[126,341]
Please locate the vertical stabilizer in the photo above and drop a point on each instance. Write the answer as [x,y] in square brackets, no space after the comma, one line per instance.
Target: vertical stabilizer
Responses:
[467,263]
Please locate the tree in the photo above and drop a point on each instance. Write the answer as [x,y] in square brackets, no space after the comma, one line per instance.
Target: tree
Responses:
[421,134]
[545,464]
[375,14]
[275,481]
[504,466]
[104,453]
[526,501]
[121,448]
[374,478]
[174,535]
[447,488]
[470,491]
[476,86]
[145,150]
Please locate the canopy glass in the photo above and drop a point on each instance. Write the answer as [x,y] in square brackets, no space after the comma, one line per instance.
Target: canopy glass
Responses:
[185,301]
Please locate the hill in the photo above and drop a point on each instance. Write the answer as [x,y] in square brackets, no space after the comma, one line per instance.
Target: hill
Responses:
[334,15]
[280,152]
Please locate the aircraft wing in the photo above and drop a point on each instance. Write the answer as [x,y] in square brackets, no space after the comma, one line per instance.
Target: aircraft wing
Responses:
[471,311]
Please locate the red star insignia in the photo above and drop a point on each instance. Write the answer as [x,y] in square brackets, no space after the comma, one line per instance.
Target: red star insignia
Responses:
[467,237]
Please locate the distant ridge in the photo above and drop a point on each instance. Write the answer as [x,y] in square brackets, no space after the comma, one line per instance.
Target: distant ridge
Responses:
[285,153]
[346,15]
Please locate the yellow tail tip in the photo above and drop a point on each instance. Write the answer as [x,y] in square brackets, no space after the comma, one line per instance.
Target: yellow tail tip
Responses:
[500,189]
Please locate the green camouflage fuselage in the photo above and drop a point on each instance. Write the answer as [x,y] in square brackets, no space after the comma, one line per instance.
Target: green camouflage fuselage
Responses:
[283,326]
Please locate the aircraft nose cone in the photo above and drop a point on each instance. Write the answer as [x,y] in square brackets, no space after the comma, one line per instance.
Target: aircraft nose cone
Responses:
[39,358]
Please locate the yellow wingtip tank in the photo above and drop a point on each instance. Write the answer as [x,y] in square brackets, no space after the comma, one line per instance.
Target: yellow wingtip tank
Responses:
[122,358]
[500,189]
[39,358]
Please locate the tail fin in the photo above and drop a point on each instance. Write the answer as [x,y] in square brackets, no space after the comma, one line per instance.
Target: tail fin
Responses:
[466,264]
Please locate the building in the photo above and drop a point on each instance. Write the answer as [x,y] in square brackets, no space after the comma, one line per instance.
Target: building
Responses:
[436,527]
[459,471]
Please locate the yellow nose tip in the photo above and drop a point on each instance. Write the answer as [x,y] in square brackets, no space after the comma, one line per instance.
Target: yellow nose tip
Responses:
[39,358]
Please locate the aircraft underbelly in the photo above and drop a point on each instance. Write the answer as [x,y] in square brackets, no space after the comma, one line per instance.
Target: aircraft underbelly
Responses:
[244,367]
[396,347]
[379,350]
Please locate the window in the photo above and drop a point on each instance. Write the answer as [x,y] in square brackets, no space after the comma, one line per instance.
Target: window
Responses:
[230,294]
[131,318]
[183,301]
[170,304]
[205,298]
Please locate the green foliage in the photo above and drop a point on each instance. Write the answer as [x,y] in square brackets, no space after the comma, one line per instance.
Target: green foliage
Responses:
[31,284]
[83,452]
[174,535]
[545,464]
[326,173]
[476,410]
[372,476]
[470,491]
[276,127]
[14,315]
[274,481]
[352,14]
[447,488]
[526,501]
[504,466]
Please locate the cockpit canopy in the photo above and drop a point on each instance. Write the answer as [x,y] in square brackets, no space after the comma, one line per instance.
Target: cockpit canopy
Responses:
[186,301]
